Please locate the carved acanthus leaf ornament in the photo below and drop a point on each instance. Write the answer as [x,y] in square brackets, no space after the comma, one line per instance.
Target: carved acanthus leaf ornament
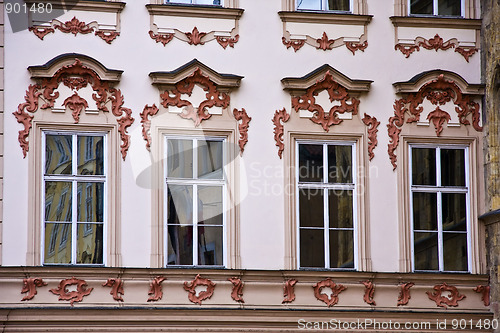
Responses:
[436,43]
[242,127]
[369,292]
[296,44]
[237,291]
[485,293]
[333,298]
[72,296]
[194,37]
[404,293]
[29,287]
[439,92]
[289,291]
[74,76]
[116,288]
[451,295]
[372,124]
[155,289]
[195,297]
[186,86]
[225,41]
[280,117]
[161,38]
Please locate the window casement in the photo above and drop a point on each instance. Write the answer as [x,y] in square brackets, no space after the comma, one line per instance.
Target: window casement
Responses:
[454,8]
[440,207]
[195,201]
[326,204]
[326,5]
[74,232]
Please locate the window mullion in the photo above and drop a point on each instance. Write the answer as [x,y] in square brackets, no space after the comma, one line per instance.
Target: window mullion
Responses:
[74,194]
[435,7]
[439,210]
[195,202]
[326,215]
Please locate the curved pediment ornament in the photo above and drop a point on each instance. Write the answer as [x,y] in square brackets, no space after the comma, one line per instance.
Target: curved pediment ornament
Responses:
[341,92]
[438,88]
[176,90]
[75,71]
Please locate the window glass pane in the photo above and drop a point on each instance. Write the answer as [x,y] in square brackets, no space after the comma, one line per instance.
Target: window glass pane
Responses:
[210,159]
[180,204]
[453,167]
[340,208]
[180,158]
[210,205]
[341,5]
[180,245]
[207,2]
[341,249]
[58,150]
[339,164]
[426,251]
[58,201]
[454,212]
[309,4]
[90,203]
[178,1]
[89,243]
[311,207]
[90,155]
[210,245]
[57,243]
[455,251]
[449,7]
[424,211]
[423,166]
[312,248]
[423,7]
[310,163]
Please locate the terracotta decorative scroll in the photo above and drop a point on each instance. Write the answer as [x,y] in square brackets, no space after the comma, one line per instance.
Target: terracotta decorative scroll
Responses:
[353,46]
[148,111]
[76,104]
[72,296]
[237,292]
[289,291]
[439,92]
[29,287]
[155,289]
[324,43]
[404,293]
[436,43]
[372,124]
[280,117]
[116,288]
[47,91]
[186,86]
[485,294]
[75,26]
[336,92]
[335,288]
[451,300]
[225,41]
[107,36]
[190,287]
[194,37]
[41,32]
[161,38]
[296,44]
[369,292]
[242,127]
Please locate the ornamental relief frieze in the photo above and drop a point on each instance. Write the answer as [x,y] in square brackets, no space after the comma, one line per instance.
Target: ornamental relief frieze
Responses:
[75,77]
[441,99]
[329,292]
[341,107]
[177,96]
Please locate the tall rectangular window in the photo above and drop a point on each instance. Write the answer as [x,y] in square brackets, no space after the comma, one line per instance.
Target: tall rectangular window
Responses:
[195,201]
[330,5]
[436,7]
[440,208]
[74,188]
[326,204]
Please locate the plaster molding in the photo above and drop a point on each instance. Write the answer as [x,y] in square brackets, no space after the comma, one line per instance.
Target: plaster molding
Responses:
[289,291]
[279,119]
[71,70]
[199,297]
[155,289]
[116,288]
[29,287]
[237,292]
[72,296]
[451,298]
[404,293]
[369,292]
[333,298]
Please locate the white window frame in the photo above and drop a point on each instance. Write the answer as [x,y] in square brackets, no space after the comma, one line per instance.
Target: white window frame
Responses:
[324,6]
[195,182]
[192,2]
[325,186]
[74,178]
[438,189]
[435,9]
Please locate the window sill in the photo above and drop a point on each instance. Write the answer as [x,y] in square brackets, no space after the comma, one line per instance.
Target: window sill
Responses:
[194,24]
[301,27]
[82,18]
[436,33]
